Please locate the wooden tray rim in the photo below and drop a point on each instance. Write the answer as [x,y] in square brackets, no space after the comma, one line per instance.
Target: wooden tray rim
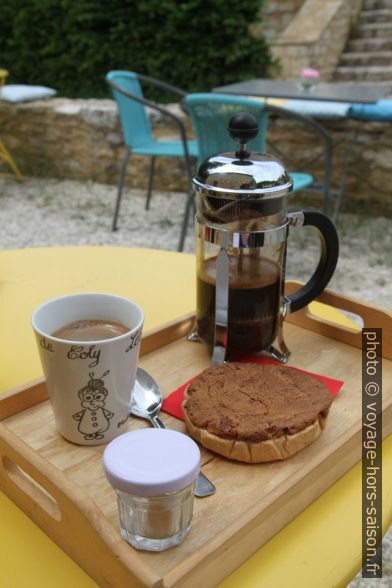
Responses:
[27,395]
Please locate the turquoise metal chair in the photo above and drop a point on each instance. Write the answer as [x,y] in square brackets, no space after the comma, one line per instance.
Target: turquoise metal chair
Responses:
[139,140]
[211,112]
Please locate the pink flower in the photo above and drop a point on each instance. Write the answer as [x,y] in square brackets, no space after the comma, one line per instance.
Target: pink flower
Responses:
[309,73]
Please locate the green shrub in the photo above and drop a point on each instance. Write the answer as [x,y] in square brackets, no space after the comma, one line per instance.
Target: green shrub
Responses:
[71,44]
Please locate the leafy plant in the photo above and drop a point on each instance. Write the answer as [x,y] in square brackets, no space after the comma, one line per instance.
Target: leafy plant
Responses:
[71,44]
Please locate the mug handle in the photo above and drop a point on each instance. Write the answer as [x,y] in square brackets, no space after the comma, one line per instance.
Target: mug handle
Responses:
[328,257]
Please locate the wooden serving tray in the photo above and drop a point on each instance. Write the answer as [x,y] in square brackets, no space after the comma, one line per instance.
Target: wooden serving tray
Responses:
[62,487]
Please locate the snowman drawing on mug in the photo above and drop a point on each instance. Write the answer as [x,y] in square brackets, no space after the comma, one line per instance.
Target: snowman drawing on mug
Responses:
[94,419]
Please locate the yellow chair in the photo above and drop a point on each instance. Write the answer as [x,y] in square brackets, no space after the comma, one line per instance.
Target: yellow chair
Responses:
[4,153]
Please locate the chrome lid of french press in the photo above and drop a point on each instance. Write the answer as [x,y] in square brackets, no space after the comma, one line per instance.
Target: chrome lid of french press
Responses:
[242,173]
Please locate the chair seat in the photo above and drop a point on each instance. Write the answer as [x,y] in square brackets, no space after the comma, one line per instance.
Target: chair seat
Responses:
[166,149]
[381,110]
[301,180]
[318,108]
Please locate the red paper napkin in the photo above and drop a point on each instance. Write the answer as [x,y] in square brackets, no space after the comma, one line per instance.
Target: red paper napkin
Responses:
[172,403]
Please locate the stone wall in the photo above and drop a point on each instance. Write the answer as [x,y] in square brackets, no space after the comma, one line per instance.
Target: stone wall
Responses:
[315,37]
[81,139]
[276,16]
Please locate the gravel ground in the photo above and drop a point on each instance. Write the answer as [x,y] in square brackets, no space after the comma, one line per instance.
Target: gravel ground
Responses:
[44,212]
[50,212]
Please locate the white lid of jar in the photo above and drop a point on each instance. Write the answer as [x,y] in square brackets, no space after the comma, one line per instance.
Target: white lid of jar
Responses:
[150,462]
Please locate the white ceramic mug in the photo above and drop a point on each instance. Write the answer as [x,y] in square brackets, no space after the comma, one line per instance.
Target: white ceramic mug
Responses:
[90,383]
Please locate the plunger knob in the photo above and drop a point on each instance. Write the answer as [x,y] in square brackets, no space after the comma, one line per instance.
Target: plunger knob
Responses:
[243,127]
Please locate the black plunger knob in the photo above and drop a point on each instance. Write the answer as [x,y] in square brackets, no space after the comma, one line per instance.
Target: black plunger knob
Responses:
[243,127]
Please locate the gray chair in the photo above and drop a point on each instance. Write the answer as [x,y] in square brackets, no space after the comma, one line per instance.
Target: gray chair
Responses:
[380,111]
[299,159]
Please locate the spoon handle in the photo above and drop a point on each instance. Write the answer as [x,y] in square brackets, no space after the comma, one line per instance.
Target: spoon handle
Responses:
[157,423]
[203,487]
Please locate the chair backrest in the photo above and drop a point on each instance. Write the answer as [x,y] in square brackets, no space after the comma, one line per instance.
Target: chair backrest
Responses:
[135,123]
[210,114]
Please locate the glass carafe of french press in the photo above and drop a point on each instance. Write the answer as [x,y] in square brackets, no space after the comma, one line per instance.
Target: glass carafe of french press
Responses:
[242,227]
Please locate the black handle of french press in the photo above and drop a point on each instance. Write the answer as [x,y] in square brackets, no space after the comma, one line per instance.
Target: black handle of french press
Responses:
[328,259]
[243,127]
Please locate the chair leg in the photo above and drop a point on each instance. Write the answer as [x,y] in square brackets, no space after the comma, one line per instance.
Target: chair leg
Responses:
[120,189]
[190,201]
[345,168]
[6,155]
[327,178]
[150,180]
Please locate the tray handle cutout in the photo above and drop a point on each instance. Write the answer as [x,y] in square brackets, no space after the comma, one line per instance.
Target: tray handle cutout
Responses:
[343,319]
[32,488]
[68,515]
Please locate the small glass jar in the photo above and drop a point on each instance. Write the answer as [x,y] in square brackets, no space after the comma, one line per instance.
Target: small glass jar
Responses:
[153,472]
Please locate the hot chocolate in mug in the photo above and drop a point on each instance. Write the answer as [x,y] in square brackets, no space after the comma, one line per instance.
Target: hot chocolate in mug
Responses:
[89,348]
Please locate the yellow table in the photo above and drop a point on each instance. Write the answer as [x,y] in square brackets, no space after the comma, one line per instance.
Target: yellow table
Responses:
[321,547]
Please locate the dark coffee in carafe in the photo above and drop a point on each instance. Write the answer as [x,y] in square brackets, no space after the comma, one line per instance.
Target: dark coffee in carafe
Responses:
[242,225]
[254,298]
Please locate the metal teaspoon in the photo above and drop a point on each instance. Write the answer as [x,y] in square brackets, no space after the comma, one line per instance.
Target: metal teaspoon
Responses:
[146,403]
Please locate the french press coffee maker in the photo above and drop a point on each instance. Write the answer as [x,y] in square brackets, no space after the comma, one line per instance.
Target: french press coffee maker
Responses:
[242,225]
